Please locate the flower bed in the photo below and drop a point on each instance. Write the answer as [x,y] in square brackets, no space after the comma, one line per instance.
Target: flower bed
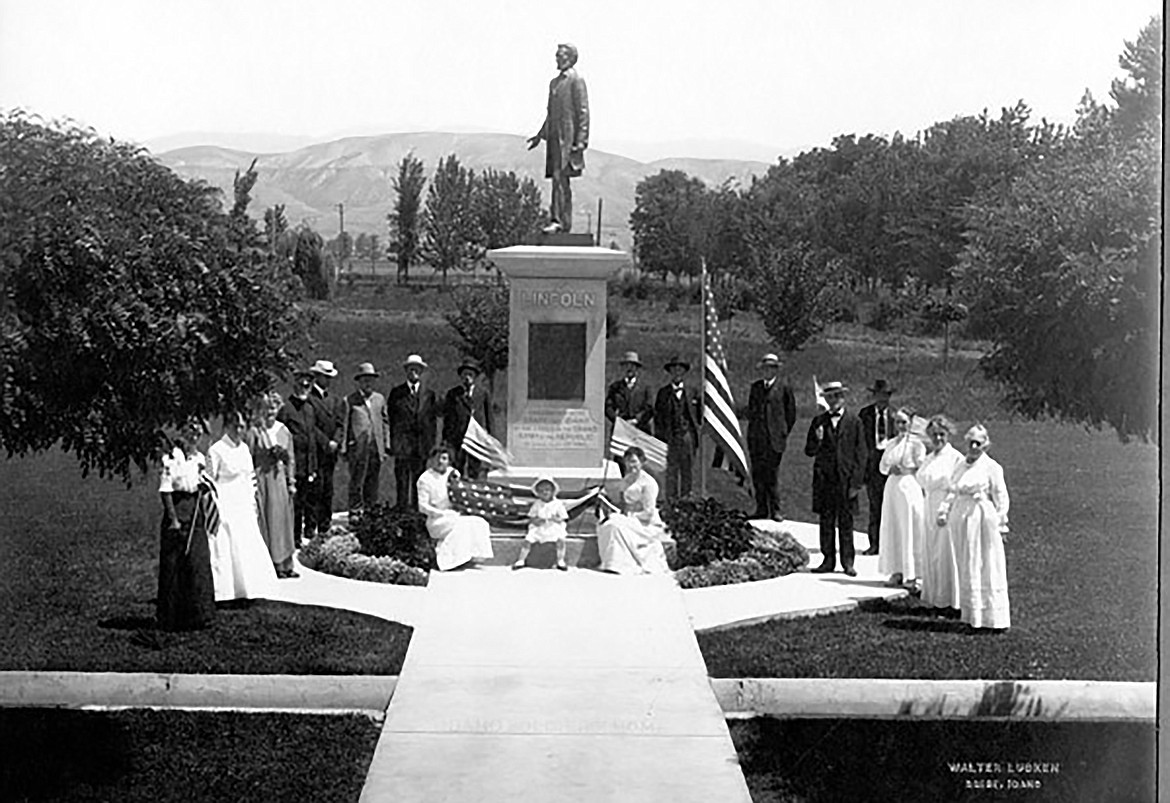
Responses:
[717,545]
[386,546]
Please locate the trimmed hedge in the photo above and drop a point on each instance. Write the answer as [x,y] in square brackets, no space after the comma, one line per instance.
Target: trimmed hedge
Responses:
[705,530]
[387,530]
[338,554]
[770,555]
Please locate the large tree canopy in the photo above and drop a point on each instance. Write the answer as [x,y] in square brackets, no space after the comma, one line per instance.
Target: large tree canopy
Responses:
[129,299]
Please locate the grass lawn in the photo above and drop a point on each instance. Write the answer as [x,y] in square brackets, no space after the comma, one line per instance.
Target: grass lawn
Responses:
[143,756]
[841,761]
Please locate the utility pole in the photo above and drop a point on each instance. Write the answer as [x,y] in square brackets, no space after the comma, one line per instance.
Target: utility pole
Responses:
[341,236]
[598,241]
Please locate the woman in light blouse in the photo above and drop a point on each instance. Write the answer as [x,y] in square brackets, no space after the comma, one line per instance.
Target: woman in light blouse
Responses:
[976,512]
[902,522]
[459,540]
[940,568]
[630,542]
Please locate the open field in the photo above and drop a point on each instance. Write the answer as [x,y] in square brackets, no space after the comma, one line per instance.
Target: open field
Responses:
[78,556]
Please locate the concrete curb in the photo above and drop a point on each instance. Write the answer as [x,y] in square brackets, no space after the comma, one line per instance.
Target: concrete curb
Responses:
[294,693]
[1054,700]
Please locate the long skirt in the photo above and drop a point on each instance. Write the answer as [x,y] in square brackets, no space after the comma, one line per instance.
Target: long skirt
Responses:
[240,563]
[275,511]
[627,546]
[459,539]
[186,595]
[983,589]
[940,566]
[902,527]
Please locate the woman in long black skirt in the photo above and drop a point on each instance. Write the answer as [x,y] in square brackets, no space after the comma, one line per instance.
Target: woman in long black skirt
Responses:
[186,597]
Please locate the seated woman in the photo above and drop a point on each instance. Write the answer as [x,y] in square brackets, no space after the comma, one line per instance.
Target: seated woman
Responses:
[630,542]
[186,596]
[460,539]
[241,567]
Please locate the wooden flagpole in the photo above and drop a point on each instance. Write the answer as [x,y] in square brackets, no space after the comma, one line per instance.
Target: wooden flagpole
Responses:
[702,375]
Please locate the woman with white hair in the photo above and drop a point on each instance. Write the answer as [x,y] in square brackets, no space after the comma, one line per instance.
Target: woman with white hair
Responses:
[976,513]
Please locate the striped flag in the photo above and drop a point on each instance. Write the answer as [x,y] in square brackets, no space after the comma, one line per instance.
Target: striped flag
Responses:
[626,435]
[508,505]
[718,406]
[483,447]
[820,394]
[206,507]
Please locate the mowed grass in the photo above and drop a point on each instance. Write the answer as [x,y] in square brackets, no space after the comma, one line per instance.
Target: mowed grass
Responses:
[76,552]
[144,756]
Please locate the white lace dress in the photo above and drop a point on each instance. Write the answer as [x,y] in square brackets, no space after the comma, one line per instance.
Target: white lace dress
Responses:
[902,509]
[241,567]
[458,538]
[940,566]
[977,516]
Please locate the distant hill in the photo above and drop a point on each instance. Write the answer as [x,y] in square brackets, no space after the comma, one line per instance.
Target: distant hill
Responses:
[357,171]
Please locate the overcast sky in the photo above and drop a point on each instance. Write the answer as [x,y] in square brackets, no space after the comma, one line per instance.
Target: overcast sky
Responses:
[782,74]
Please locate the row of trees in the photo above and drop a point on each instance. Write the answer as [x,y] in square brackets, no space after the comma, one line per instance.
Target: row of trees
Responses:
[1048,235]
[464,214]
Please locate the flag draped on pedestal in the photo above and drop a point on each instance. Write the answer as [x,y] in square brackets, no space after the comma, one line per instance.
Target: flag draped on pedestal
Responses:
[718,405]
[507,505]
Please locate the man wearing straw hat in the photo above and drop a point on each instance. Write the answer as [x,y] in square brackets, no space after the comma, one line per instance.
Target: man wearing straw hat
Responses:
[676,422]
[363,439]
[466,401]
[837,445]
[771,414]
[414,417]
[628,398]
[329,413]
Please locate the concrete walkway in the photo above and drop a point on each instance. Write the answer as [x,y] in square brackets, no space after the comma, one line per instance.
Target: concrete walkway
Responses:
[543,685]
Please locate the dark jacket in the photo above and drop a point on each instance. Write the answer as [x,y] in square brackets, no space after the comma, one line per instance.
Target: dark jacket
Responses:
[458,409]
[298,415]
[329,412]
[622,402]
[868,415]
[566,124]
[771,414]
[839,459]
[664,426]
[413,421]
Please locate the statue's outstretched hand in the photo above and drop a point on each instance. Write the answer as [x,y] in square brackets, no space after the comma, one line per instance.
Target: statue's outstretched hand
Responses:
[533,141]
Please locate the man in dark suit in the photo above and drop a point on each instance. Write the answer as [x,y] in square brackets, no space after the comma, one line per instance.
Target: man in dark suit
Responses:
[466,401]
[837,445]
[329,414]
[771,415]
[566,130]
[298,415]
[877,421]
[413,412]
[628,398]
[676,422]
[363,440]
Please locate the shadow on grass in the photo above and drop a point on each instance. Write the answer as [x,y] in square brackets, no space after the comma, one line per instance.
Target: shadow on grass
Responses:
[50,752]
[128,622]
[927,625]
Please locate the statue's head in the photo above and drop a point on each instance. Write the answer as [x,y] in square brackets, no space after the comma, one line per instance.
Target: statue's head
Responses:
[566,56]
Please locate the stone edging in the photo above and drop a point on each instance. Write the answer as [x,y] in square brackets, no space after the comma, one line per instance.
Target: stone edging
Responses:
[1093,701]
[1051,700]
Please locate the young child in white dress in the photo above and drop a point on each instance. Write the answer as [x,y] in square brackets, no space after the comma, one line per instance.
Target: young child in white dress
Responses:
[546,522]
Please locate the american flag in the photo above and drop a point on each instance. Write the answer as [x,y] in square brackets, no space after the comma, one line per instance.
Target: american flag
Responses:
[819,394]
[626,435]
[483,447]
[718,405]
[507,505]
[206,507]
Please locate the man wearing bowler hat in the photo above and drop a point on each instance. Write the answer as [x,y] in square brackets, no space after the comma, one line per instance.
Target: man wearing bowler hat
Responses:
[329,413]
[414,419]
[466,401]
[628,398]
[837,445]
[877,421]
[676,422]
[771,414]
[364,439]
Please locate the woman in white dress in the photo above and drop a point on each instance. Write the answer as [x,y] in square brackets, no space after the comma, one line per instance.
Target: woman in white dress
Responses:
[459,540]
[940,567]
[630,542]
[902,522]
[976,511]
[241,567]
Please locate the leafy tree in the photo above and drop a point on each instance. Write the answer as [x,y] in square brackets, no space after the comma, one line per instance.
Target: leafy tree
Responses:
[275,226]
[129,300]
[309,262]
[450,233]
[669,223]
[507,210]
[480,318]
[796,291]
[405,220]
[1062,272]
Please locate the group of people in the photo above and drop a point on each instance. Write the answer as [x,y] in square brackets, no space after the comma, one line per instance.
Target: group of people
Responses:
[938,516]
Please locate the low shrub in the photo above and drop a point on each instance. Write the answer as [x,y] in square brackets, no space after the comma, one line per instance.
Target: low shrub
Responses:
[771,555]
[705,530]
[385,530]
[339,555]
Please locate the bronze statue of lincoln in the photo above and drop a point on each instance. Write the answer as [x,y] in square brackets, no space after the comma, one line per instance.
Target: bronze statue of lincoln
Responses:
[566,130]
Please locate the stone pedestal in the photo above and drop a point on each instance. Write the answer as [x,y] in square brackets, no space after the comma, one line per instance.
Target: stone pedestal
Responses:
[556,361]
